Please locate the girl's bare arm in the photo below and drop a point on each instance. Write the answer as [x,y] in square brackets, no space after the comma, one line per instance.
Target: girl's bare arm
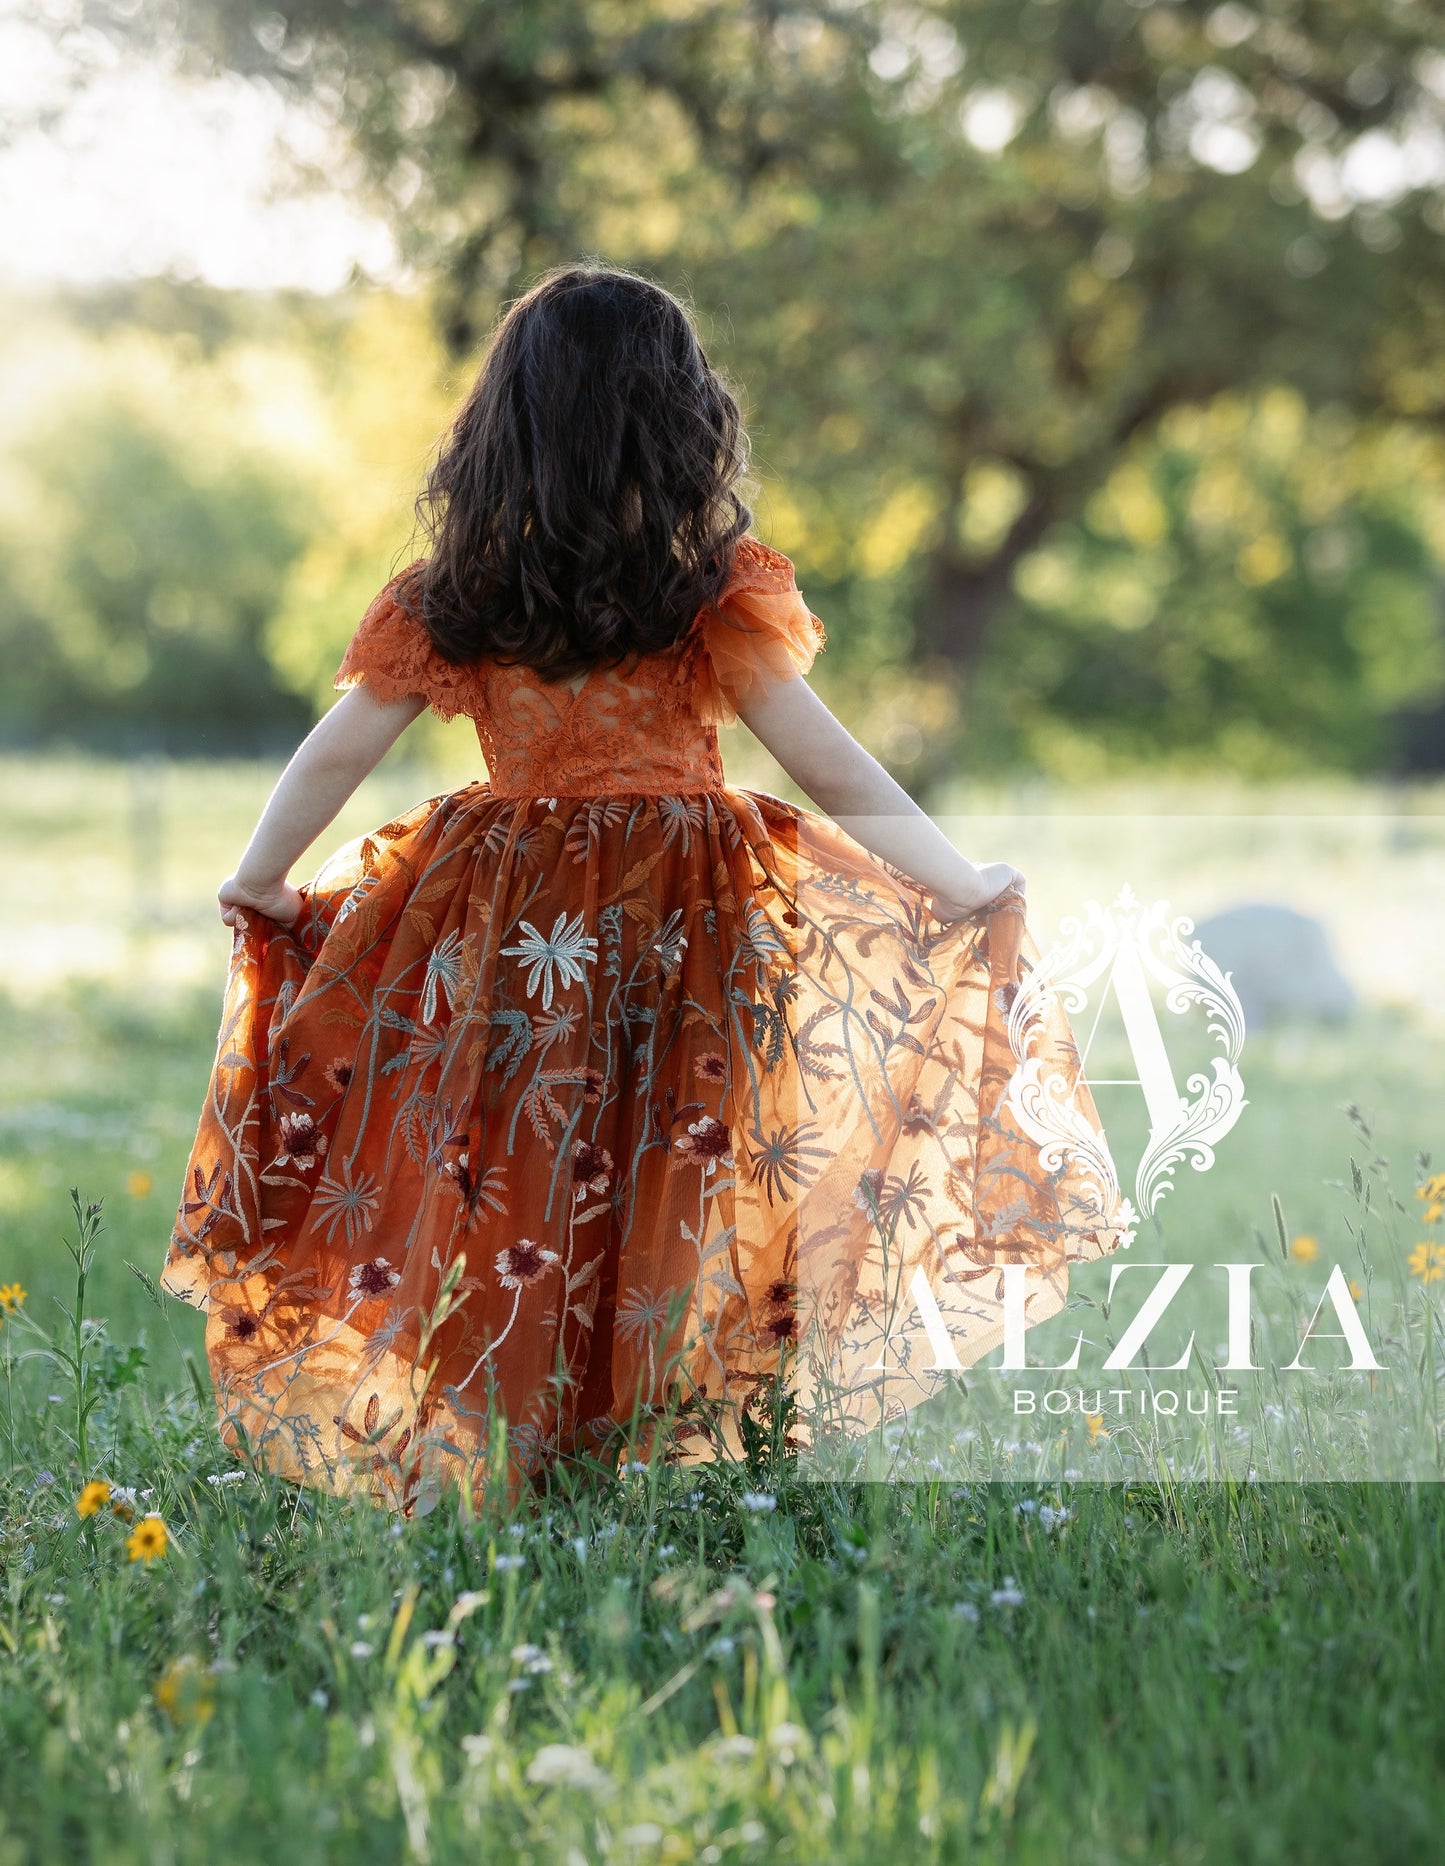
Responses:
[341,749]
[826,762]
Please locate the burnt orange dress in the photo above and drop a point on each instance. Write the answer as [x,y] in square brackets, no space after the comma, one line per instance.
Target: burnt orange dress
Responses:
[601,1090]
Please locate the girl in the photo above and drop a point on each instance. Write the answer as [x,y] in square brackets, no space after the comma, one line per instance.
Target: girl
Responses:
[601,1085]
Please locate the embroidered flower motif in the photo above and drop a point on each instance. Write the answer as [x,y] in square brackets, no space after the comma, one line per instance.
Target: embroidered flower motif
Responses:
[302,1142]
[523,1264]
[338,1073]
[347,1203]
[591,1168]
[373,1278]
[708,1143]
[557,959]
[443,974]
[594,1083]
[868,1193]
[242,1325]
[711,1066]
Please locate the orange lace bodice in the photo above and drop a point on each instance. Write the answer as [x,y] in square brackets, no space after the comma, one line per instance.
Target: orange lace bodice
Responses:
[648,725]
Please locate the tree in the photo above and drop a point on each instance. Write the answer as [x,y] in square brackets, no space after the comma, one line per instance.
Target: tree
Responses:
[967,251]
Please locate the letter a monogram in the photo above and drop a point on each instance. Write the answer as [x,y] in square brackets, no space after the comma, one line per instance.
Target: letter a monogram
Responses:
[1125,946]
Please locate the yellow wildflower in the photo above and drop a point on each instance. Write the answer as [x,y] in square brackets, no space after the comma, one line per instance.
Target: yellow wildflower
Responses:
[1356,1293]
[11,1297]
[1432,1192]
[147,1540]
[1095,1422]
[184,1691]
[138,1184]
[93,1497]
[1427,1261]
[1304,1248]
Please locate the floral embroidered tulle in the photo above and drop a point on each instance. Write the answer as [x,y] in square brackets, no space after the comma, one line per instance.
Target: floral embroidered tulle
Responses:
[646,727]
[602,1085]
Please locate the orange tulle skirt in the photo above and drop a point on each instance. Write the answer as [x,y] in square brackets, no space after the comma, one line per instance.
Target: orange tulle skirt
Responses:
[552,1117]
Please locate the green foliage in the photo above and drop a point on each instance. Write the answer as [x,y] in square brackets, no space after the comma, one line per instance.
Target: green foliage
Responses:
[968,260]
[146,592]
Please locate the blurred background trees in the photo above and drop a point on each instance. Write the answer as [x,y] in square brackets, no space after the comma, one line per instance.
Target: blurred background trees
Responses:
[1091,350]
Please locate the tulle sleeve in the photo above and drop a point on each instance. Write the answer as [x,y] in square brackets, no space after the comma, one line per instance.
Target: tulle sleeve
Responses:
[759,631]
[392,655]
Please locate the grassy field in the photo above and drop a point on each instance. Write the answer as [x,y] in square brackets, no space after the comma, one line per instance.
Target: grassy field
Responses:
[724,1665]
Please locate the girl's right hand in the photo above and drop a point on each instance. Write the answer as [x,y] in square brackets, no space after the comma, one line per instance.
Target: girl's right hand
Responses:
[279,902]
[994,879]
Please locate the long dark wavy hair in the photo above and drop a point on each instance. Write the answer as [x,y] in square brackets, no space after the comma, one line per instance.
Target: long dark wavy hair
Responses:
[582,506]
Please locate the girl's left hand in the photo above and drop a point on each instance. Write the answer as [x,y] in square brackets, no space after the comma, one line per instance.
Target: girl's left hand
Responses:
[280,902]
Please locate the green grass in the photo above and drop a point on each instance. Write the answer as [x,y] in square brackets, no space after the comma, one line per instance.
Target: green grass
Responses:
[1161,1674]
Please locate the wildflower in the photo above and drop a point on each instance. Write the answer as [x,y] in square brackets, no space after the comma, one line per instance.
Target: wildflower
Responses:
[562,1765]
[1432,1192]
[734,1748]
[790,1740]
[361,1649]
[1356,1293]
[966,1610]
[148,1540]
[1427,1261]
[759,1501]
[218,1478]
[93,1497]
[138,1184]
[11,1297]
[184,1691]
[477,1749]
[506,1562]
[1304,1248]
[319,1699]
[1009,1595]
[1095,1423]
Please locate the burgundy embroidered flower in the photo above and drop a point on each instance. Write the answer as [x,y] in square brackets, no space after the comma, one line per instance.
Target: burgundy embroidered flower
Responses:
[241,1325]
[373,1278]
[593,1083]
[869,1191]
[338,1073]
[711,1066]
[302,1142]
[707,1142]
[591,1168]
[917,1119]
[524,1263]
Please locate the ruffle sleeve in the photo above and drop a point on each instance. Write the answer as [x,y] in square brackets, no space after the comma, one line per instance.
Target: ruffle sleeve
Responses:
[393,656]
[760,630]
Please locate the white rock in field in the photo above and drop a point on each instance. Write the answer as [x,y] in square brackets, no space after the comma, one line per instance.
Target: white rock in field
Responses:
[1281,961]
